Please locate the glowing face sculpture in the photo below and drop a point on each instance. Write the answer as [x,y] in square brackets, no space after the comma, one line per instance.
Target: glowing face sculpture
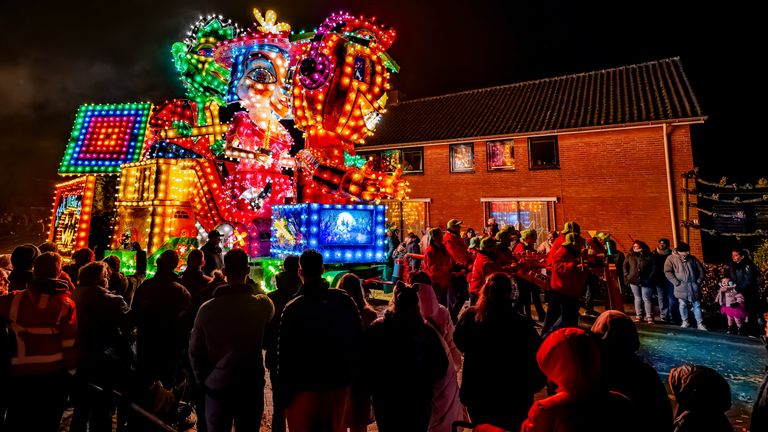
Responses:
[340,85]
[205,80]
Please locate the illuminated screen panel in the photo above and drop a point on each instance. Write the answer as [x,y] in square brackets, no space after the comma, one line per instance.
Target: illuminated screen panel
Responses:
[106,136]
[344,234]
[70,221]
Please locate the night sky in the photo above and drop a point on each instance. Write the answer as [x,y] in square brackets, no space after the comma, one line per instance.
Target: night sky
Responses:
[58,55]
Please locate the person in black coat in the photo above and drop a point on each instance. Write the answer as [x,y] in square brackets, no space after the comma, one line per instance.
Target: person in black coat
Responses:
[104,349]
[625,373]
[214,258]
[413,247]
[499,345]
[639,273]
[744,275]
[393,241]
[414,359]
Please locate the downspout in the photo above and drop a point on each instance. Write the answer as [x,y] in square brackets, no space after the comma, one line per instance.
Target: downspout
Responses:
[670,187]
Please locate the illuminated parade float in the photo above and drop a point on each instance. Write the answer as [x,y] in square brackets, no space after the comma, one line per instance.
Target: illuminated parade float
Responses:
[165,175]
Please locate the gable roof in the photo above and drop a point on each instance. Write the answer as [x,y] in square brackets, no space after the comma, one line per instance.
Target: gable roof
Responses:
[652,92]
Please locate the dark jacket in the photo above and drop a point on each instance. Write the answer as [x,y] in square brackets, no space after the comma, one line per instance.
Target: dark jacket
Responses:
[214,260]
[415,360]
[703,396]
[744,275]
[319,340]
[121,286]
[392,243]
[103,328]
[661,258]
[159,308]
[287,287]
[413,248]
[226,341]
[199,286]
[500,370]
[640,269]
[760,408]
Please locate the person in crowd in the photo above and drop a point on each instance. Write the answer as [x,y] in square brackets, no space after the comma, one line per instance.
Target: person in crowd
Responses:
[393,241]
[625,373]
[118,283]
[22,260]
[438,264]
[415,359]
[515,238]
[196,282]
[105,354]
[225,350]
[360,402]
[743,273]
[474,245]
[568,281]
[212,252]
[159,307]
[424,242]
[141,262]
[413,248]
[732,306]
[686,274]
[570,359]
[569,227]
[485,264]
[529,292]
[527,243]
[44,322]
[546,245]
[469,234]
[446,405]
[287,284]
[318,351]
[759,419]
[48,247]
[703,396]
[499,345]
[80,258]
[5,263]
[505,257]
[492,227]
[639,273]
[457,291]
[669,309]
[5,270]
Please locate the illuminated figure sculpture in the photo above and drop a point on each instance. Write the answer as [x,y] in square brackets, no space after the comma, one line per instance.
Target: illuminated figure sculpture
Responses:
[339,94]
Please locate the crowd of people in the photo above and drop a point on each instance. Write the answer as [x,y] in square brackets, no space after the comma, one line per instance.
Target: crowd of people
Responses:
[457,343]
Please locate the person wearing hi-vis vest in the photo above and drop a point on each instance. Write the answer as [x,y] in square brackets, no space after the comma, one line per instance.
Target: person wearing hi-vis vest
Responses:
[43,319]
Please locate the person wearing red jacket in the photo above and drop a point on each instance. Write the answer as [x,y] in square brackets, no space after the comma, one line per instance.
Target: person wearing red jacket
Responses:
[569,227]
[485,264]
[568,281]
[570,359]
[457,290]
[44,322]
[438,264]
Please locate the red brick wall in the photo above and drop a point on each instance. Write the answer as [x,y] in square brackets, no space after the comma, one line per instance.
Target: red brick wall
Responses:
[612,181]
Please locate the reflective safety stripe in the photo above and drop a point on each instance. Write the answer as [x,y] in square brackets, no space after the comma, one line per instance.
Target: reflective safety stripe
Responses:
[66,343]
[21,360]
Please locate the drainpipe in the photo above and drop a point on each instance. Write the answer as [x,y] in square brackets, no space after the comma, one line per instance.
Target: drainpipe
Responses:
[670,187]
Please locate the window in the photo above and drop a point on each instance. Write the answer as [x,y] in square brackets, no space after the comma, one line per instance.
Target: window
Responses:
[523,214]
[543,153]
[411,160]
[462,158]
[501,155]
[408,216]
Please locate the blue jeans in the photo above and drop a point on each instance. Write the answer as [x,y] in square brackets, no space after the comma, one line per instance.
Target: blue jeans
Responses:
[669,308]
[643,297]
[696,310]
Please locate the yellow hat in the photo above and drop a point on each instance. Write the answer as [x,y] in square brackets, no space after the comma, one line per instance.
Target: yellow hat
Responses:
[487,243]
[454,222]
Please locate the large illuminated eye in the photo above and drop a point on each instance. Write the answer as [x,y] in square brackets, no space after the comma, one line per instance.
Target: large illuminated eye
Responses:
[262,75]
[205,50]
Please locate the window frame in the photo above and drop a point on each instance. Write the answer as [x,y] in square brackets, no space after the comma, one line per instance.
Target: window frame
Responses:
[488,145]
[543,139]
[452,150]
[402,151]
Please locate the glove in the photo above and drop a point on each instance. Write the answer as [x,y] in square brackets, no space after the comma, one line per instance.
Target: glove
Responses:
[735,305]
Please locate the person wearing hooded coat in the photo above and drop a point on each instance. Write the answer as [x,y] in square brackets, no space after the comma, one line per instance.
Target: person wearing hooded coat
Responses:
[22,259]
[570,359]
[625,373]
[499,345]
[446,407]
[438,264]
[568,282]
[686,274]
[703,396]
[415,359]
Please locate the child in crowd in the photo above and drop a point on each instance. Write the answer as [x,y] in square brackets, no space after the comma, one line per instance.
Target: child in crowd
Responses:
[732,305]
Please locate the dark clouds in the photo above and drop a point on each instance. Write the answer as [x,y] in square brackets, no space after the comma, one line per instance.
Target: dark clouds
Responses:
[63,54]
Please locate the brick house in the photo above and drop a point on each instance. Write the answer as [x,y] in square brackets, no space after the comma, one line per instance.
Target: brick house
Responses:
[605,148]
